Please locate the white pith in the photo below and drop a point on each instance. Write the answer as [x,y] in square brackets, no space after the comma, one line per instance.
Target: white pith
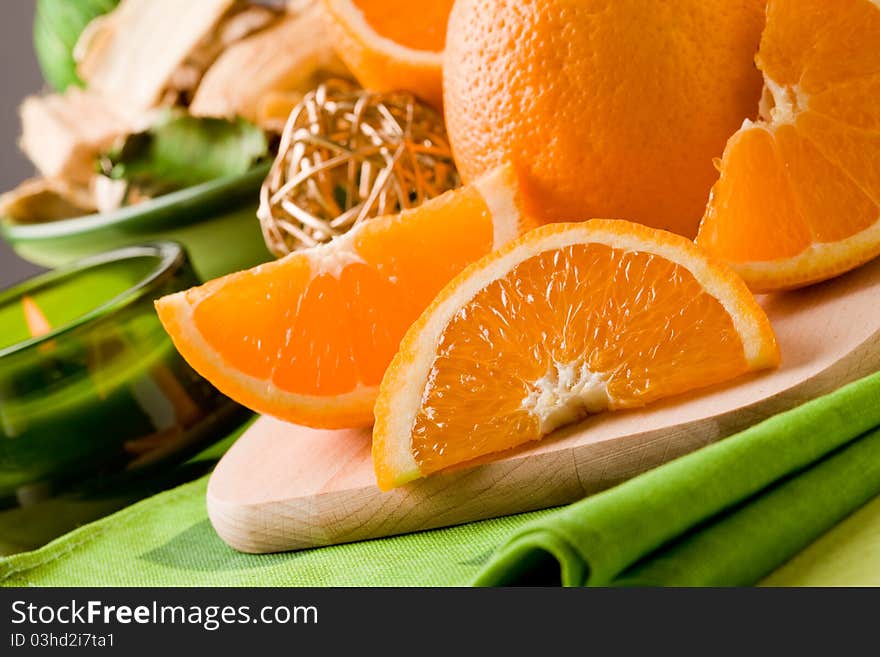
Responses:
[568,392]
[410,391]
[499,192]
[358,21]
[331,258]
[788,102]
[791,268]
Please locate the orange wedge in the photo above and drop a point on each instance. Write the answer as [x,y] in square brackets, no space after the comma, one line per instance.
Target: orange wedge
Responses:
[307,338]
[568,320]
[392,45]
[798,200]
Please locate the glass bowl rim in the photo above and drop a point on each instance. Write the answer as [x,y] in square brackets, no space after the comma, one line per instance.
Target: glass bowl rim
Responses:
[172,257]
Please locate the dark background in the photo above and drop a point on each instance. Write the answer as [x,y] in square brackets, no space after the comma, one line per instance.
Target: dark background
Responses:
[21,76]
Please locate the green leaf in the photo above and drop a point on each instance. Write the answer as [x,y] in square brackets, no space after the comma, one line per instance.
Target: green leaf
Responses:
[57,27]
[181,150]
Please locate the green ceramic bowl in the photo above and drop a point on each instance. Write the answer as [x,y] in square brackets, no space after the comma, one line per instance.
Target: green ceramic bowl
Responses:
[215,221]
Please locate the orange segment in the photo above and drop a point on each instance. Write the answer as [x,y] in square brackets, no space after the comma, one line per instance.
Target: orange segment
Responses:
[854,151]
[819,44]
[570,319]
[845,102]
[307,338]
[761,217]
[798,200]
[392,45]
[816,203]
[416,25]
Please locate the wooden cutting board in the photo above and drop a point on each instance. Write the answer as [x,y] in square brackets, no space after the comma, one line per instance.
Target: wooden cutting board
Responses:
[284,487]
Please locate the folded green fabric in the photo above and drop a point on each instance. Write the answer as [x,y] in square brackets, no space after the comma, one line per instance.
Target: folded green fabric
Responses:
[167,540]
[727,514]
[848,555]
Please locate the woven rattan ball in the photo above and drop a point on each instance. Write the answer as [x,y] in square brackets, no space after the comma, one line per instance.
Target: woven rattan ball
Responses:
[346,155]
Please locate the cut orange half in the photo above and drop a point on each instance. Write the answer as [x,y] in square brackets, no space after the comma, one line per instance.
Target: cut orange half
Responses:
[570,319]
[392,45]
[798,200]
[307,338]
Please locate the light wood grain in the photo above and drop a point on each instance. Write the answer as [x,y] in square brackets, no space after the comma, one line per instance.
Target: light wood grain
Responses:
[283,487]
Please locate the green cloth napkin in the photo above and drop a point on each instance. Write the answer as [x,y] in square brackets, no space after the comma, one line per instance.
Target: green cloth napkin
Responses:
[168,540]
[725,515]
[786,471]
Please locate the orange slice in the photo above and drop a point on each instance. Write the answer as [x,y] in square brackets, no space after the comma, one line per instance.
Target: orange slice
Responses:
[307,338]
[568,320]
[798,200]
[392,45]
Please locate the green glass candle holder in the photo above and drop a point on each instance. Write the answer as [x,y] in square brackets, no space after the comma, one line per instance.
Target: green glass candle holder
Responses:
[91,387]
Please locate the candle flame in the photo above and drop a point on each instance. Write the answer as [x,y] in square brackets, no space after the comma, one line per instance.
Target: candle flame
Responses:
[36,321]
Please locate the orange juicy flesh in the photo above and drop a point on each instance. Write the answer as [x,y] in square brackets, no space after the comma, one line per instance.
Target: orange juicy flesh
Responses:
[818,44]
[324,334]
[642,322]
[417,25]
[813,176]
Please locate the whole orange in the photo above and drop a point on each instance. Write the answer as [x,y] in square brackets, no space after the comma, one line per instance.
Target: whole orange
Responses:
[607,108]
